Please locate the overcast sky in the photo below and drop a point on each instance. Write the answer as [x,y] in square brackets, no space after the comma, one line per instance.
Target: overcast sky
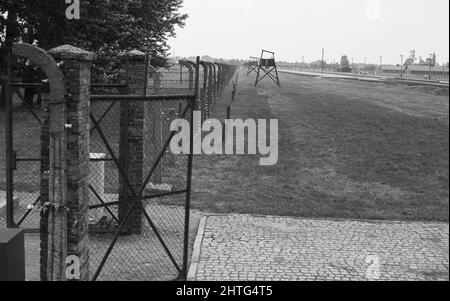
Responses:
[293,28]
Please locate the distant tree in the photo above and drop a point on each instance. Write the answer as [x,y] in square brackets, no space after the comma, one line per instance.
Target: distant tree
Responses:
[412,58]
[371,68]
[431,61]
[318,64]
[344,61]
[107,27]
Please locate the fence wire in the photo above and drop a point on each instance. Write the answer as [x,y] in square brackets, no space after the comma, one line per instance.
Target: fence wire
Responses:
[27,120]
[157,250]
[156,253]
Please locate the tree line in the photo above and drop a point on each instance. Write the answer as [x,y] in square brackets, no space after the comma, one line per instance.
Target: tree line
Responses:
[106,27]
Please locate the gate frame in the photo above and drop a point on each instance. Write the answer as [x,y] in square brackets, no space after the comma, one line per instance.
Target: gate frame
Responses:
[62,79]
[56,90]
[138,197]
[11,155]
[57,127]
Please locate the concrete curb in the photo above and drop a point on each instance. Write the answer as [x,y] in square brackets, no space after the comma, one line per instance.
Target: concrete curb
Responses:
[197,249]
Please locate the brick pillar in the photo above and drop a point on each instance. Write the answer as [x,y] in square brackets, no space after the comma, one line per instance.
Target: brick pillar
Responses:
[77,70]
[44,189]
[131,139]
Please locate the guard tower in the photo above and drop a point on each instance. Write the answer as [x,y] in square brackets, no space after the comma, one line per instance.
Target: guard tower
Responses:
[268,66]
[252,65]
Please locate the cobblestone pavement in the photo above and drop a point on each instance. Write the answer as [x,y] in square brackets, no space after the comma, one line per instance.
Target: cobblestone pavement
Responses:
[246,248]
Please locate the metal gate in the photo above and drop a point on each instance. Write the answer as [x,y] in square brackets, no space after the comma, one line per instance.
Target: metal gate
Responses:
[22,152]
[139,217]
[139,190]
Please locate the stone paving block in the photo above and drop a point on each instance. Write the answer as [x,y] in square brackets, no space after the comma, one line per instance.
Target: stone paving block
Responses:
[248,248]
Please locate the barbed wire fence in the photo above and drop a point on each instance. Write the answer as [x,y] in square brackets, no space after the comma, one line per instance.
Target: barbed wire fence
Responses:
[138,190]
[386,65]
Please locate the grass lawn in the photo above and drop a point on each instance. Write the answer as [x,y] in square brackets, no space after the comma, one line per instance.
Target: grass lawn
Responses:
[347,150]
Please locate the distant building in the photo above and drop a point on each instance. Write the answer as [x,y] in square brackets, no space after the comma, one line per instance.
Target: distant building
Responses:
[345,70]
[393,69]
[422,69]
[439,73]
[414,69]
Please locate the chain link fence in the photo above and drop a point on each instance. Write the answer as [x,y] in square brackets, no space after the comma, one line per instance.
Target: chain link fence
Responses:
[150,243]
[156,252]
[139,190]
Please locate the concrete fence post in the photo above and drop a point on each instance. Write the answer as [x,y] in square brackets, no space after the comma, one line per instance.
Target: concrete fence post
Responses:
[153,123]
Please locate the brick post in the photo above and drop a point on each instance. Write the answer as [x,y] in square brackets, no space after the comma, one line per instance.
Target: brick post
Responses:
[44,189]
[131,140]
[77,70]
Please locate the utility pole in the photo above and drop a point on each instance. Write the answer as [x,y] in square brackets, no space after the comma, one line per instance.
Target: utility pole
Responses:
[381,63]
[353,65]
[323,57]
[431,62]
[401,66]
